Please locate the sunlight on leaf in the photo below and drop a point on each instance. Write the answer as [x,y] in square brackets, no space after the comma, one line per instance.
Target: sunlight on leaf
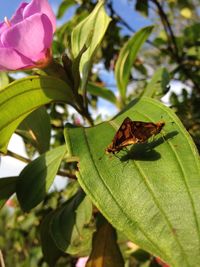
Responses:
[150,191]
[21,97]
[127,57]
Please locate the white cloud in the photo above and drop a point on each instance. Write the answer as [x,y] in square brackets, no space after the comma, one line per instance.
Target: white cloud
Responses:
[11,166]
[177,88]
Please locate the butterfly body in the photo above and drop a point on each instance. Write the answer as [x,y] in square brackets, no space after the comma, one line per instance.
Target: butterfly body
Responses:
[133,132]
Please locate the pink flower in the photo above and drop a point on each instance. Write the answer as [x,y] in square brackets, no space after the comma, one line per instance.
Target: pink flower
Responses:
[25,39]
[10,203]
[81,262]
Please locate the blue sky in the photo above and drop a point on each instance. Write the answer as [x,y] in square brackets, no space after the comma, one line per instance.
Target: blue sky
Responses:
[9,6]
[10,166]
[125,9]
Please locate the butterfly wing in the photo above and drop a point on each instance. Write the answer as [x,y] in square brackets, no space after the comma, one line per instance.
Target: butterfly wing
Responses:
[133,132]
[123,136]
[144,130]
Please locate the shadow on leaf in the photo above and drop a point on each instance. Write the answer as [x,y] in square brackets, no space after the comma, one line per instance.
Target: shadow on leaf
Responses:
[145,151]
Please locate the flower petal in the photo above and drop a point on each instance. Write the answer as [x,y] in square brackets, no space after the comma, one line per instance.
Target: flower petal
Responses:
[40,6]
[18,15]
[3,27]
[31,37]
[11,60]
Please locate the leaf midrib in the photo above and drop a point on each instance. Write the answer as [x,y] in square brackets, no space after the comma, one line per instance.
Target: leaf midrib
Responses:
[157,203]
[117,203]
[181,168]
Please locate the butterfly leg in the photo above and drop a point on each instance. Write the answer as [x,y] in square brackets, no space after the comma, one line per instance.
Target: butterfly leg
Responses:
[163,137]
[116,156]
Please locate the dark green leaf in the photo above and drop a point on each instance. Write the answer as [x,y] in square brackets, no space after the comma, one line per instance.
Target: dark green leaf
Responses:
[142,6]
[50,250]
[7,188]
[36,129]
[37,177]
[192,33]
[70,225]
[102,92]
[151,191]
[64,6]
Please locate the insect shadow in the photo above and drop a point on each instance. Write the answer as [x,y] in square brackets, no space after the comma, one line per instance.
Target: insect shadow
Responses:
[145,151]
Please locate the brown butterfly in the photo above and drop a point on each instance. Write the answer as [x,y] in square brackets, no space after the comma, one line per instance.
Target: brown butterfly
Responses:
[133,132]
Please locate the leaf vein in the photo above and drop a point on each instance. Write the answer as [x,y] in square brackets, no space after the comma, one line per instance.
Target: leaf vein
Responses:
[114,200]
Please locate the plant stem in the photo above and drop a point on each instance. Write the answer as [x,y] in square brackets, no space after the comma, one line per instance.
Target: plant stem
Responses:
[2,263]
[27,160]
[67,174]
[17,156]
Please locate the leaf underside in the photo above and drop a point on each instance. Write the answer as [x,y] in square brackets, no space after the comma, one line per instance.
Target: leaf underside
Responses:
[23,96]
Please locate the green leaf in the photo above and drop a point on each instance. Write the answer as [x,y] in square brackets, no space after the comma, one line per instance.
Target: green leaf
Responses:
[37,177]
[151,191]
[4,80]
[127,57]
[70,225]
[7,188]
[105,250]
[36,129]
[102,92]
[20,98]
[157,87]
[50,250]
[63,7]
[191,33]
[142,6]
[89,33]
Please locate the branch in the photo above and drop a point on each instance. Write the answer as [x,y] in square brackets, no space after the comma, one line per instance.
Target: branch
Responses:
[2,263]
[17,156]
[174,49]
[123,22]
[168,29]
[27,160]
[67,174]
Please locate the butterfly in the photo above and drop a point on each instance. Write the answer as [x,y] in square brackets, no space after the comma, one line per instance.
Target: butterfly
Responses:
[133,132]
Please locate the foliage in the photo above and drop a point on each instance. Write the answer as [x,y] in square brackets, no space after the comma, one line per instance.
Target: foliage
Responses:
[130,209]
